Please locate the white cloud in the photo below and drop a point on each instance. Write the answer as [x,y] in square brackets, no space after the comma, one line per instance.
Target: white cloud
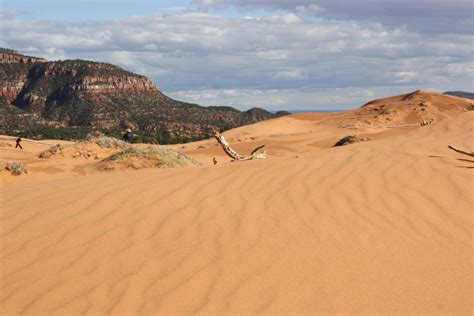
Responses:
[290,74]
[295,99]
[309,9]
[433,16]
[289,18]
[222,60]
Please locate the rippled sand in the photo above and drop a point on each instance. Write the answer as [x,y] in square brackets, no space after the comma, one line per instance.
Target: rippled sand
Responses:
[379,227]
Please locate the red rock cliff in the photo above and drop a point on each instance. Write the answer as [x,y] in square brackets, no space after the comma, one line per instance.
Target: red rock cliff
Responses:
[113,84]
[14,77]
[6,58]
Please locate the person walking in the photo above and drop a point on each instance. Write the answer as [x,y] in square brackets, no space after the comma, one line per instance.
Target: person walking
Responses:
[18,141]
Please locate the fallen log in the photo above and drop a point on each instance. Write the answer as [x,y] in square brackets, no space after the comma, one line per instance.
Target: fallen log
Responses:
[471,154]
[255,154]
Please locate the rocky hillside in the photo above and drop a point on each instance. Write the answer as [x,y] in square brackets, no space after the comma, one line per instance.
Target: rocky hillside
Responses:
[462,94]
[41,98]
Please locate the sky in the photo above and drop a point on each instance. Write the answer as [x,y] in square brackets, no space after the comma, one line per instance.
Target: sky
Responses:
[275,54]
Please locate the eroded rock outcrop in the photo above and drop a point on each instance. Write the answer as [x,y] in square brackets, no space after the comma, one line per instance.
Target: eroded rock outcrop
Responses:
[11,89]
[113,84]
[14,69]
[8,56]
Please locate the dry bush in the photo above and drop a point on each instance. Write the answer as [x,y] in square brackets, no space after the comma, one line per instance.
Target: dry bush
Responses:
[56,149]
[16,168]
[149,157]
[106,141]
[85,154]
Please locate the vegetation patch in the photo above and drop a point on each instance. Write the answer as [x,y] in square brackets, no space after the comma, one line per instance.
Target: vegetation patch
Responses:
[107,141]
[16,168]
[149,157]
[54,150]
[85,154]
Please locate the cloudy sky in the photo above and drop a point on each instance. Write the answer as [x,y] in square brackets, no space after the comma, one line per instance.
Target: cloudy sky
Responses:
[277,54]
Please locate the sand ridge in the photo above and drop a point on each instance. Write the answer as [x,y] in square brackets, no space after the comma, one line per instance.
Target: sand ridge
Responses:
[379,227]
[410,108]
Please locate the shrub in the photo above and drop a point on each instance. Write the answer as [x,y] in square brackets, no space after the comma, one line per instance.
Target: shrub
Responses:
[51,151]
[107,141]
[149,157]
[16,168]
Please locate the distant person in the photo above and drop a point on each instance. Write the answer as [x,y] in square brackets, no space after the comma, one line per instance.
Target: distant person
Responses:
[18,141]
[128,136]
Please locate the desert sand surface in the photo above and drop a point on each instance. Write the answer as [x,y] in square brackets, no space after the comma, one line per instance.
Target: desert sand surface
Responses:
[383,226]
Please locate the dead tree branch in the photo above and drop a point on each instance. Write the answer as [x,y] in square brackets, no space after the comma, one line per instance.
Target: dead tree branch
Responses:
[255,154]
[471,154]
[256,149]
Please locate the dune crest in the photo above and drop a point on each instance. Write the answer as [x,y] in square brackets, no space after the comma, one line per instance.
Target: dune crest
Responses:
[411,108]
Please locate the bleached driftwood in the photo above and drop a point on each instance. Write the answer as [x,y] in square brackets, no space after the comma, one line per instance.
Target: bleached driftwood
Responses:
[471,154]
[426,122]
[255,154]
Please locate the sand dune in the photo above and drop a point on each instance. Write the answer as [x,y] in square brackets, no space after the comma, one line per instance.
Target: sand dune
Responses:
[379,227]
[411,108]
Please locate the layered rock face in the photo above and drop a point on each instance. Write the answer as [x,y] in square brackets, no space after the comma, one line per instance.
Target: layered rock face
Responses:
[11,89]
[10,56]
[53,83]
[112,84]
[94,77]
[14,70]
